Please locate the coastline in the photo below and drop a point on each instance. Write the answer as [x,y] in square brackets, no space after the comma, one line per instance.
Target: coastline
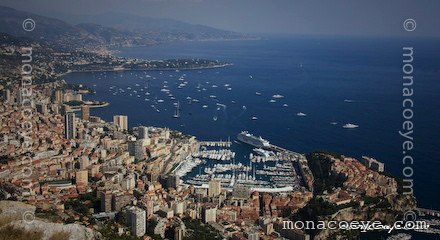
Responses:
[77,108]
[116,50]
[119,70]
[156,69]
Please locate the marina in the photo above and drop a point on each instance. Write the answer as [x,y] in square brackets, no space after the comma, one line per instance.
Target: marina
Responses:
[187,166]
[271,169]
[222,154]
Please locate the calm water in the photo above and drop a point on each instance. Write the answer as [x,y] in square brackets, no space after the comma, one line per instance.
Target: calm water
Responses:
[316,77]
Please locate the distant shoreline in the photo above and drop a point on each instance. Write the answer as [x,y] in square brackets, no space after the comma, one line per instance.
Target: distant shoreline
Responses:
[156,69]
[77,108]
[116,50]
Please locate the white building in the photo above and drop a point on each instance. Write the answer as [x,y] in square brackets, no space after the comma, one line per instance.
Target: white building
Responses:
[138,221]
[128,183]
[179,208]
[209,214]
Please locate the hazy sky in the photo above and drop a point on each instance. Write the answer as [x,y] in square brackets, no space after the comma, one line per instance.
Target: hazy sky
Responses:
[323,17]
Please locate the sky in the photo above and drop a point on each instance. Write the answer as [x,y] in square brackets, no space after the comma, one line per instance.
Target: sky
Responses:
[298,17]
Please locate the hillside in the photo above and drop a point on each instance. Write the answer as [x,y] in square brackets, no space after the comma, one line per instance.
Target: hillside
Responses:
[108,30]
[160,29]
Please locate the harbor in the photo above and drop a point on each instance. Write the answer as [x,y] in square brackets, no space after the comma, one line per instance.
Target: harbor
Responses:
[253,163]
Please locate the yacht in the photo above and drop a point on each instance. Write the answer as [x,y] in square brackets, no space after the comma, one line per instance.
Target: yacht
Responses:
[177,113]
[277,96]
[350,126]
[250,139]
[400,236]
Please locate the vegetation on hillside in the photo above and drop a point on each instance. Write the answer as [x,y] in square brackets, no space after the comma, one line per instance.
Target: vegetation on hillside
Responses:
[200,231]
[324,178]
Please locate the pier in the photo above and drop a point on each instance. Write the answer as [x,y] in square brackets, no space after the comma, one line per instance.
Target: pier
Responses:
[222,154]
[304,170]
[283,150]
[272,158]
[216,143]
[429,212]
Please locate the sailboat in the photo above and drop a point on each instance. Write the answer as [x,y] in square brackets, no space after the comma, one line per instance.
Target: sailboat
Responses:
[215,116]
[176,113]
[333,121]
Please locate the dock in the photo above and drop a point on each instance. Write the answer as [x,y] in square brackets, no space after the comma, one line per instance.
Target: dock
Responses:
[429,212]
[283,150]
[216,143]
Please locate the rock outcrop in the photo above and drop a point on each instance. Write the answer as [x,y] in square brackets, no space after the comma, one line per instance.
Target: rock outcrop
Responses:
[22,218]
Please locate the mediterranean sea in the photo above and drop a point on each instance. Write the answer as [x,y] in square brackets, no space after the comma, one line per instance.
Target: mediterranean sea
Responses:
[317,85]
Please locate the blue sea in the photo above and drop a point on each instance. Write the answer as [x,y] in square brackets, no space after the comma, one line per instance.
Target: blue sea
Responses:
[330,80]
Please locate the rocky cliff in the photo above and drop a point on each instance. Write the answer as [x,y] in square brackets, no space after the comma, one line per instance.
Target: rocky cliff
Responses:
[20,216]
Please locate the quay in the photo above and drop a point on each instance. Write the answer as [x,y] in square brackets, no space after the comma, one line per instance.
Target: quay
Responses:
[216,143]
[282,150]
[429,212]
[223,154]
[304,169]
